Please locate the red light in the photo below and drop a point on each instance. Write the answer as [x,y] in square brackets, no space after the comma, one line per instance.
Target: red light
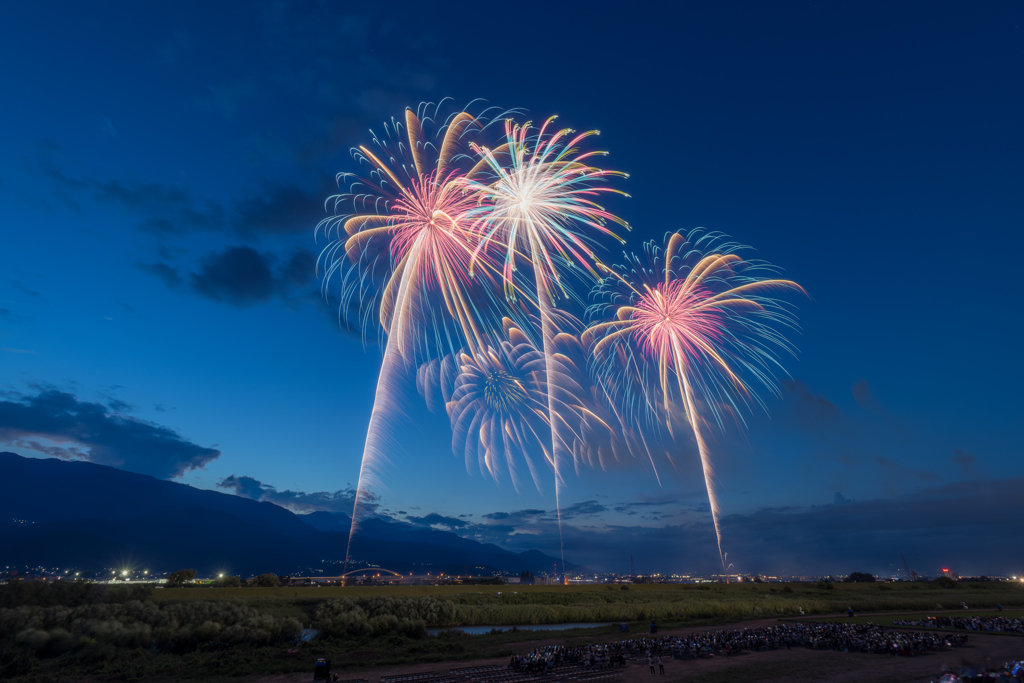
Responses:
[945,570]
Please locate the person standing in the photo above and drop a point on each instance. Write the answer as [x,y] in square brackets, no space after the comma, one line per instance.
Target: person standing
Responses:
[661,665]
[650,662]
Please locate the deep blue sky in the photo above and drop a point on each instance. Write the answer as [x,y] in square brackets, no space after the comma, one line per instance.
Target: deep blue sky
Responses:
[162,170]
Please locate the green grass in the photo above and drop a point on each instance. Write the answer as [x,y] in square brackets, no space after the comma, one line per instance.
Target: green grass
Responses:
[477,606]
[671,605]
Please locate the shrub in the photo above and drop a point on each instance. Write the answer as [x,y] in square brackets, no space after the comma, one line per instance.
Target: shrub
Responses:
[180,578]
[859,577]
[824,585]
[228,582]
[265,581]
[67,593]
[14,661]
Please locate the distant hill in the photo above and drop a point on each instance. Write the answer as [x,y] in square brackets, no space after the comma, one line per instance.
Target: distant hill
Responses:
[55,513]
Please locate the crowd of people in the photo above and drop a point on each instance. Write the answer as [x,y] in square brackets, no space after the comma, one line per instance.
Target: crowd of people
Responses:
[1002,624]
[815,636]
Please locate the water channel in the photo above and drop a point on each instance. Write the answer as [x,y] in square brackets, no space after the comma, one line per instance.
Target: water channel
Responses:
[479,630]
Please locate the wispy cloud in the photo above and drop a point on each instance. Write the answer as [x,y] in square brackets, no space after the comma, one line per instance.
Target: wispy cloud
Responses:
[296,501]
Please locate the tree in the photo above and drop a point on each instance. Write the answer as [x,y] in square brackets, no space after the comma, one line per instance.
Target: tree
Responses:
[180,578]
[824,585]
[266,581]
[228,582]
[859,577]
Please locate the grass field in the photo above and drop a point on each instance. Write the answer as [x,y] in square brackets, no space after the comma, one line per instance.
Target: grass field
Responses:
[116,646]
[677,603]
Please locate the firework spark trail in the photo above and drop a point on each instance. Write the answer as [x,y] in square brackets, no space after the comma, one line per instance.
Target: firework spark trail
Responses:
[703,317]
[541,200]
[412,209]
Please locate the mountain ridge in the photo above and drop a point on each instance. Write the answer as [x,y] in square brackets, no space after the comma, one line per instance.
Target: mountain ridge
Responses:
[83,515]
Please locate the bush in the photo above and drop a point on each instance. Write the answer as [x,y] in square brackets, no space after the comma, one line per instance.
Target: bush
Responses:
[14,661]
[265,581]
[228,582]
[824,585]
[787,589]
[67,593]
[945,582]
[180,578]
[345,618]
[859,577]
[174,627]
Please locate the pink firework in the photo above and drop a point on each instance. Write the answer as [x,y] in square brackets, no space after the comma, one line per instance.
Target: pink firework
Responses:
[674,315]
[406,252]
[696,324]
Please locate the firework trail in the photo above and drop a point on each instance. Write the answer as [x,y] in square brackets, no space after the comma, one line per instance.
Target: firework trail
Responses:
[701,322]
[538,204]
[398,228]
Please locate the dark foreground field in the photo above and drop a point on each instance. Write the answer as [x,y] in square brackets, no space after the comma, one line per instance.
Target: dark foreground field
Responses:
[798,665]
[92,633]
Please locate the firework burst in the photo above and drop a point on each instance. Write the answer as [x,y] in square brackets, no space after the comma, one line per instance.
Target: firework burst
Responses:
[538,204]
[401,250]
[499,406]
[703,324]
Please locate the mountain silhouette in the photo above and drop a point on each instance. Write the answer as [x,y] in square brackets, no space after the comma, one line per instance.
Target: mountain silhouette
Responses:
[60,514]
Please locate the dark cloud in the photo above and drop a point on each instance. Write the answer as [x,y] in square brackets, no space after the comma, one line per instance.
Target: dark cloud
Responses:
[976,522]
[299,269]
[280,209]
[12,317]
[435,519]
[902,472]
[518,514]
[968,464]
[811,411]
[297,501]
[865,399]
[587,508]
[633,507]
[20,286]
[97,433]
[169,209]
[242,276]
[170,276]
